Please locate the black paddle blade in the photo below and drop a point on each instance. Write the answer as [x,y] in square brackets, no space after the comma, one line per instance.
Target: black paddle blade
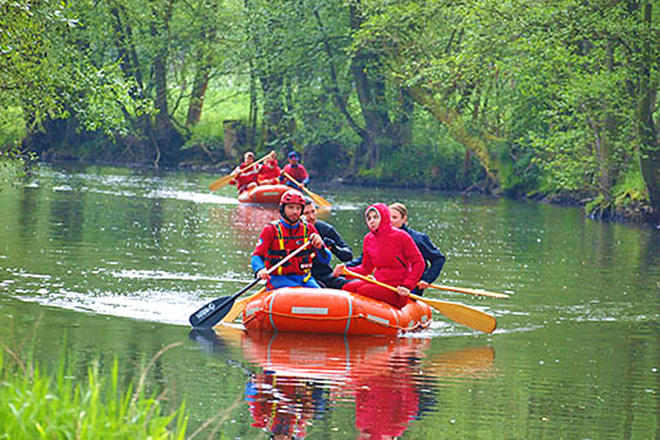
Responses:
[212,313]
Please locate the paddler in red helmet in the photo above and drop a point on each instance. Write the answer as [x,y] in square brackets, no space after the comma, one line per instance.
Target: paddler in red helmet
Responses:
[280,238]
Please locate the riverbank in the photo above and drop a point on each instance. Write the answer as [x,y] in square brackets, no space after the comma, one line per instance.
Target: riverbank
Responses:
[627,205]
[38,403]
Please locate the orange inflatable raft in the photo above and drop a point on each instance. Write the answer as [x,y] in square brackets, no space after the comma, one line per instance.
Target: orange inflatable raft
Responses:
[299,309]
[263,194]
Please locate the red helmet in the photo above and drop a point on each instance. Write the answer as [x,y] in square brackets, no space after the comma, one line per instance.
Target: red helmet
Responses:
[292,196]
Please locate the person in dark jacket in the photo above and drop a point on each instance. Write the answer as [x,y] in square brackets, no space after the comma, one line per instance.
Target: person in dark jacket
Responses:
[433,258]
[322,272]
[296,170]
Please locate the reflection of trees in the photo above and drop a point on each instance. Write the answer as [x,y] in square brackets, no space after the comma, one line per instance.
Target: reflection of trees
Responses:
[304,376]
[28,212]
[67,211]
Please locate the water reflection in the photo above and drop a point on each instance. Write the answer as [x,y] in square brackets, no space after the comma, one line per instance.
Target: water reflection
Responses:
[67,211]
[246,222]
[301,378]
[27,213]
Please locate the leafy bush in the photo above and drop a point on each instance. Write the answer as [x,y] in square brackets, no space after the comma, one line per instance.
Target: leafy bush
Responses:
[36,405]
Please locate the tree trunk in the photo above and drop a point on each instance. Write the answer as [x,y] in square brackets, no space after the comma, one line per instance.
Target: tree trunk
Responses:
[197,96]
[647,129]
[167,140]
[274,111]
[129,64]
[251,136]
[337,97]
[370,89]
[404,124]
[452,120]
[201,81]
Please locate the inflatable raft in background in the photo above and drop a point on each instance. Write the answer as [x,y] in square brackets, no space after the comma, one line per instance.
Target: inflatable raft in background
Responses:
[306,310]
[263,194]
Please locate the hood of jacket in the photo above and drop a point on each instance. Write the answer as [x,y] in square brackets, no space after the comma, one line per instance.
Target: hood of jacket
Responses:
[385,225]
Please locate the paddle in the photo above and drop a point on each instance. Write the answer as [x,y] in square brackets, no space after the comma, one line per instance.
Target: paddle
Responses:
[323,203]
[223,181]
[213,312]
[459,313]
[470,291]
[239,306]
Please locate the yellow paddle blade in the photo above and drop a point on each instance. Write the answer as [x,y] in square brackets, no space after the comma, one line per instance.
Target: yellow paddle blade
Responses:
[458,313]
[462,314]
[323,203]
[239,306]
[223,181]
[470,291]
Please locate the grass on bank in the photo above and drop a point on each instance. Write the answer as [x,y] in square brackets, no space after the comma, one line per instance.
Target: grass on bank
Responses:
[38,405]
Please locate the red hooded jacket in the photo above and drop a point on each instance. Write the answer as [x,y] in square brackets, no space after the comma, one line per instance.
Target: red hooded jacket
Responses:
[391,252]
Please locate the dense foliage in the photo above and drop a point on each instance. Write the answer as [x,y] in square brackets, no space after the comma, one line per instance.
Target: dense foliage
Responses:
[550,99]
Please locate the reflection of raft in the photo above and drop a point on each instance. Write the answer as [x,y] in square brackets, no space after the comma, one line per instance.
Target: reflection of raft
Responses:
[344,359]
[263,194]
[329,357]
[331,311]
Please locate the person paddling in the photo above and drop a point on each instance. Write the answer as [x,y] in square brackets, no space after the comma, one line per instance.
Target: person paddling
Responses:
[296,170]
[245,175]
[269,174]
[282,237]
[322,272]
[434,259]
[391,255]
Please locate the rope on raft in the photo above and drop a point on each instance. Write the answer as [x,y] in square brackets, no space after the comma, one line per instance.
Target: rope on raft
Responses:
[327,318]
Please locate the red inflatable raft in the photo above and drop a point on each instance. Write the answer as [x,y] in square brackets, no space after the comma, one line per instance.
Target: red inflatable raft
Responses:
[298,309]
[263,194]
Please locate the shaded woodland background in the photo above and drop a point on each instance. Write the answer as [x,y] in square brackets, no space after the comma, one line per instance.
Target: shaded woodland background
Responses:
[555,100]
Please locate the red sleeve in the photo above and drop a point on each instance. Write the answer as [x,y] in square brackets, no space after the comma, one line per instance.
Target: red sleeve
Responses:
[303,172]
[413,256]
[265,239]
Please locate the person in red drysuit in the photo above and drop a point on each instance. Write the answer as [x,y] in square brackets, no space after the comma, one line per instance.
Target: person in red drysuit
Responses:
[269,174]
[296,170]
[391,255]
[245,175]
[280,238]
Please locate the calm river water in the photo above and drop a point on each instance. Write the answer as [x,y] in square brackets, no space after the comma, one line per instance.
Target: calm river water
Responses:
[101,263]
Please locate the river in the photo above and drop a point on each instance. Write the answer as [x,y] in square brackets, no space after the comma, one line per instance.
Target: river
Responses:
[100,262]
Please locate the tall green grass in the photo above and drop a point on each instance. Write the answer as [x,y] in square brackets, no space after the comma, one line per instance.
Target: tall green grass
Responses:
[38,405]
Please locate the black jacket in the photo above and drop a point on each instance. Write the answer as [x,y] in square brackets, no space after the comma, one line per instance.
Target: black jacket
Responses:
[337,245]
[433,258]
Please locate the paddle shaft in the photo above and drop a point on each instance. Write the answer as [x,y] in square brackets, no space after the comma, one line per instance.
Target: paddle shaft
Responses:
[459,313]
[317,198]
[367,279]
[226,179]
[239,306]
[470,291]
[210,310]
